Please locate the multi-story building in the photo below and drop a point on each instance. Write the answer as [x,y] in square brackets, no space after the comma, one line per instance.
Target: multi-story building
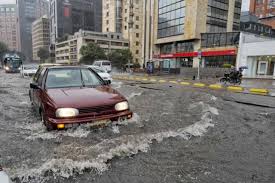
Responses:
[69,16]
[264,10]
[68,51]
[178,38]
[117,14]
[8,33]
[40,36]
[28,12]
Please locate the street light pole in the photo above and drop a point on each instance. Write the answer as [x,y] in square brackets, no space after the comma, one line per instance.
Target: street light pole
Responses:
[199,56]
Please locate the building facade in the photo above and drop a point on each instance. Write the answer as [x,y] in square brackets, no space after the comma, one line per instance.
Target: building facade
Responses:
[189,33]
[69,16]
[255,54]
[68,51]
[28,12]
[40,36]
[8,32]
[264,10]
[117,14]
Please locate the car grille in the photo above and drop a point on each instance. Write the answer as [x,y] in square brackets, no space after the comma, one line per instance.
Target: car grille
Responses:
[97,109]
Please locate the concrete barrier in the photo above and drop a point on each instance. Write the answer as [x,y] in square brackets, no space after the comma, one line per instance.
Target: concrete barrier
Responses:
[260,91]
[200,85]
[235,88]
[216,87]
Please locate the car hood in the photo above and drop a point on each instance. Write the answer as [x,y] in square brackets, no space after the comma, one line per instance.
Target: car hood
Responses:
[104,75]
[83,97]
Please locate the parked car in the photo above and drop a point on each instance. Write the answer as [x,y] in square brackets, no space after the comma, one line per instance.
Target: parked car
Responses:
[28,70]
[4,178]
[105,64]
[65,96]
[102,73]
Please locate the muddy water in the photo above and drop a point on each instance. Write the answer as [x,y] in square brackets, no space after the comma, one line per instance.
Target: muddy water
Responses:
[31,154]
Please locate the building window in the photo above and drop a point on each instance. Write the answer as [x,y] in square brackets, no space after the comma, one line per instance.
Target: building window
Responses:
[125,10]
[137,26]
[137,52]
[171,16]
[107,22]
[220,61]
[209,40]
[217,15]
[125,19]
[107,29]
[137,43]
[137,34]
[136,60]
[185,47]
[125,27]
[107,14]
[137,18]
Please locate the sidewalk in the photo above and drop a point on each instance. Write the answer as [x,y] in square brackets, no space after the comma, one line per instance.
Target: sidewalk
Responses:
[246,83]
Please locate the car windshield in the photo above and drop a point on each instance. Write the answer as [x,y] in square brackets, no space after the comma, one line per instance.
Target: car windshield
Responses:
[71,77]
[106,63]
[30,67]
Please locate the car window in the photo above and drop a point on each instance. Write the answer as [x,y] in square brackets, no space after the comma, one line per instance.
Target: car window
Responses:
[62,78]
[40,77]
[106,63]
[35,78]
[90,78]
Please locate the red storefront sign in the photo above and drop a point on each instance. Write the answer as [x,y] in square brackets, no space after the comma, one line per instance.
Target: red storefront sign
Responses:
[195,54]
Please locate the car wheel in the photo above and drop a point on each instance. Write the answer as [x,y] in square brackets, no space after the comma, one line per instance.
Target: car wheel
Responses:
[48,125]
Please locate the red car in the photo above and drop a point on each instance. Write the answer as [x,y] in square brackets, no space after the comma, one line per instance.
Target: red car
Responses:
[68,95]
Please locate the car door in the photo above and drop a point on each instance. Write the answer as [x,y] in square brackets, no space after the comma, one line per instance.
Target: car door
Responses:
[37,93]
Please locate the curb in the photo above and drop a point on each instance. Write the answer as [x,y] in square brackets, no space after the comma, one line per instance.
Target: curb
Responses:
[237,89]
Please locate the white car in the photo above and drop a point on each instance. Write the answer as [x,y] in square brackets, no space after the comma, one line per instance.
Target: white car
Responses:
[104,64]
[4,178]
[102,73]
[28,70]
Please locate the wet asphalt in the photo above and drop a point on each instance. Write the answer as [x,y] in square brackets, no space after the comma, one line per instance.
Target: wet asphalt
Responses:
[176,135]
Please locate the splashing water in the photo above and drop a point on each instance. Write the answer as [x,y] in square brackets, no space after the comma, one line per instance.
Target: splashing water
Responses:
[107,149]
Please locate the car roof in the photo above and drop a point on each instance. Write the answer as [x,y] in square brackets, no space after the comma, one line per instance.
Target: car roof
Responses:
[67,66]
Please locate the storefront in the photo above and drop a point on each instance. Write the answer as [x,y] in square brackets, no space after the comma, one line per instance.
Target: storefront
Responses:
[257,53]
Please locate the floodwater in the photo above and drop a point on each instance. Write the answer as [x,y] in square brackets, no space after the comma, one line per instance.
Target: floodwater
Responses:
[174,136]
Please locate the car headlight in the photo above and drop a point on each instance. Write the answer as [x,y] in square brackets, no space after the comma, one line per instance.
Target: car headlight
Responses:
[7,68]
[66,112]
[122,106]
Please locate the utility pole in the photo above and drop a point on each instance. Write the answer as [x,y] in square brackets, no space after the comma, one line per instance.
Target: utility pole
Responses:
[199,56]
[130,25]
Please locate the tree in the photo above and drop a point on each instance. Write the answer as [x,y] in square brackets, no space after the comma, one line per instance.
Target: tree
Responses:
[43,54]
[3,48]
[120,58]
[91,52]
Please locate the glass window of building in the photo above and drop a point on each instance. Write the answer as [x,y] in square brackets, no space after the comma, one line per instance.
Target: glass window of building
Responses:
[171,18]
[217,15]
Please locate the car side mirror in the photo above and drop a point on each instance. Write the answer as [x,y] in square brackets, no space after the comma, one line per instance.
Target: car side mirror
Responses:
[34,86]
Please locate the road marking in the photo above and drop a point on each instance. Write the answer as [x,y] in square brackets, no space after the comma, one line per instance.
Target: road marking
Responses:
[201,85]
[144,79]
[216,86]
[153,80]
[235,88]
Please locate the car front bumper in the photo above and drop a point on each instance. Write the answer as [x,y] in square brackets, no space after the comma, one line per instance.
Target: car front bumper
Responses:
[90,119]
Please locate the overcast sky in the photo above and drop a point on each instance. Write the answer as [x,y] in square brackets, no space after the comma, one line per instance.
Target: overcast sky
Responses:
[245,5]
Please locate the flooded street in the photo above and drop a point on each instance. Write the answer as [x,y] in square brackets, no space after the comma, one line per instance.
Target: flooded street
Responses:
[176,135]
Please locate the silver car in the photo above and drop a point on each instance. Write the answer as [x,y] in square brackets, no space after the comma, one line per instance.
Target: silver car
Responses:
[4,178]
